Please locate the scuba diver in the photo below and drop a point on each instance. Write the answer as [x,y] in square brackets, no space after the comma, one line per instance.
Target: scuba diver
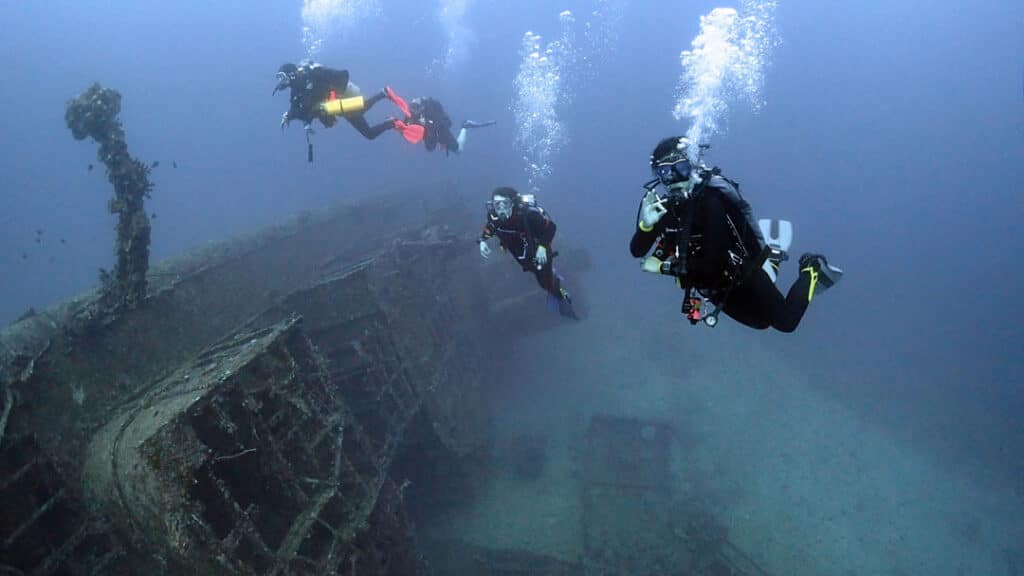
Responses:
[322,93]
[705,236]
[426,121]
[526,231]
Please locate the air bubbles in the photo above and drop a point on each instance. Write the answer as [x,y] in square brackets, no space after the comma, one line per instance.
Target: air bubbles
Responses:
[725,63]
[324,20]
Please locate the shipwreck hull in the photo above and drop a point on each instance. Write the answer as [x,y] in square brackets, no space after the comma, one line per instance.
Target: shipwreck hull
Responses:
[242,462]
[263,410]
[244,418]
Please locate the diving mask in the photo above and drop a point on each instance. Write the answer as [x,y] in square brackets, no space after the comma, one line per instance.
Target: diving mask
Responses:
[501,207]
[673,170]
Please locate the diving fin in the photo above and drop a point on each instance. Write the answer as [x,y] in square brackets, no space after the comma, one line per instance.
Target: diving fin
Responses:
[476,124]
[827,275]
[565,305]
[566,310]
[562,303]
[413,133]
[779,235]
[398,100]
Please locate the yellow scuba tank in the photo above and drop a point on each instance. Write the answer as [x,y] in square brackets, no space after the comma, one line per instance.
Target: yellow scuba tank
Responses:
[343,106]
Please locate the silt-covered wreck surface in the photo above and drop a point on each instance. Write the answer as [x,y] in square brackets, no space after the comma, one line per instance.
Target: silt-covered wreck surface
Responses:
[243,419]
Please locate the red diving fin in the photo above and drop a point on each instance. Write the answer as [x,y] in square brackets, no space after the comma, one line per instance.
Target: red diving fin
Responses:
[413,133]
[398,101]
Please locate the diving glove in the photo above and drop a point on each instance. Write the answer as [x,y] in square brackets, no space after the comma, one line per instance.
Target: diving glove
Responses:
[485,250]
[652,265]
[541,257]
[652,208]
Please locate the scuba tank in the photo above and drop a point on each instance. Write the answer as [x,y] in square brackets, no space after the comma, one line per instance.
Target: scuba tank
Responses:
[528,200]
[345,105]
[335,106]
[342,106]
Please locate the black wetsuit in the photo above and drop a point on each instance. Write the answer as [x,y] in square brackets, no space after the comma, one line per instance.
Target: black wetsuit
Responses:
[527,228]
[429,113]
[722,231]
[313,86]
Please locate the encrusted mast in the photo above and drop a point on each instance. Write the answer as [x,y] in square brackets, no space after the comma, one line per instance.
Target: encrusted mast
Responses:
[94,114]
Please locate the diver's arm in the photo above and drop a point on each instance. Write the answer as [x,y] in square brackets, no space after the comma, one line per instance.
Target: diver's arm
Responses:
[488,232]
[298,108]
[642,242]
[642,239]
[541,226]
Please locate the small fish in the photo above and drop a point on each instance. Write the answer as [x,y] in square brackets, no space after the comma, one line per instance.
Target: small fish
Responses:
[153,215]
[174,163]
[154,164]
[39,231]
[90,167]
[24,256]
[62,241]
[39,240]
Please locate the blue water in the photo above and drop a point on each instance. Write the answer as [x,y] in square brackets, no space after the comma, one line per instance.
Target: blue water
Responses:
[890,134]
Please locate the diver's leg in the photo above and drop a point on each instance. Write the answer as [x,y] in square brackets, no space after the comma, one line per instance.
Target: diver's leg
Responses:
[378,129]
[755,302]
[795,305]
[430,140]
[359,123]
[759,304]
[548,280]
[460,140]
[369,102]
[551,282]
[455,143]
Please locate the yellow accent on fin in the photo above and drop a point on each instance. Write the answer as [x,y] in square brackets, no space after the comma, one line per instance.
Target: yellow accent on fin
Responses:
[644,228]
[814,282]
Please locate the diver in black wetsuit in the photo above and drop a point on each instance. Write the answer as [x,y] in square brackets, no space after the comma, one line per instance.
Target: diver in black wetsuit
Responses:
[525,231]
[427,121]
[322,93]
[704,234]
